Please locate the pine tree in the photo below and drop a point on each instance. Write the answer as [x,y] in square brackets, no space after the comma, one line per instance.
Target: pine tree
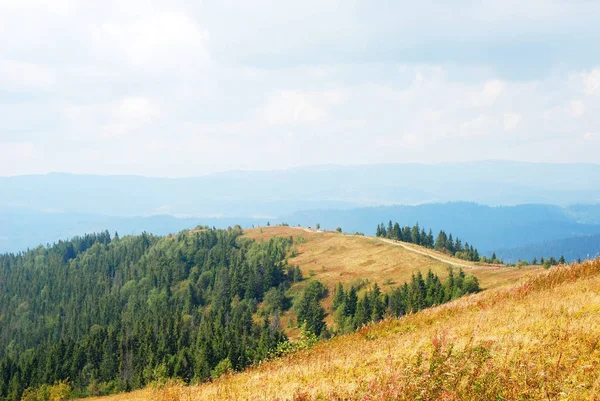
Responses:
[351,302]
[377,304]
[363,311]
[339,296]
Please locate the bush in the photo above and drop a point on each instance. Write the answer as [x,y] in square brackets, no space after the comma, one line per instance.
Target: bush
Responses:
[41,393]
[274,300]
[222,368]
[61,391]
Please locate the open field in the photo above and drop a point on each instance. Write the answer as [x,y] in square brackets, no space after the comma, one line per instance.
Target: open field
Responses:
[534,340]
[331,257]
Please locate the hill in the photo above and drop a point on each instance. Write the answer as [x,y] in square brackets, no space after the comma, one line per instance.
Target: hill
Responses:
[21,229]
[111,313]
[533,340]
[331,257]
[114,314]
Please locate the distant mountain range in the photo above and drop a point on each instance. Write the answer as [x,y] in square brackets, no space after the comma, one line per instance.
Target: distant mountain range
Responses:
[582,247]
[511,205]
[513,232]
[278,193]
[490,228]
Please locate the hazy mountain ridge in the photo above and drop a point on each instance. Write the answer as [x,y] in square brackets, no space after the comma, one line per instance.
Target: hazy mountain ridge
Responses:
[282,192]
[580,247]
[488,228]
[37,209]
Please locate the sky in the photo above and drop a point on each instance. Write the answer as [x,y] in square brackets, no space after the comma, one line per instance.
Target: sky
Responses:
[183,88]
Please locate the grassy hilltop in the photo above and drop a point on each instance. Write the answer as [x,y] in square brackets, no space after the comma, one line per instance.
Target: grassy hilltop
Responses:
[331,257]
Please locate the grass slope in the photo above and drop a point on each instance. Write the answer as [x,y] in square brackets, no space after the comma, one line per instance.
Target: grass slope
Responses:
[331,257]
[334,257]
[535,340]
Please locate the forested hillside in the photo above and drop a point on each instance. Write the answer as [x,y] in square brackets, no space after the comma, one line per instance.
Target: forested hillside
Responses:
[113,314]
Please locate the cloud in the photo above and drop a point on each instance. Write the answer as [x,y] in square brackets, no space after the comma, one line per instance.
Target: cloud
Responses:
[577,108]
[198,87]
[511,121]
[159,40]
[591,81]
[297,107]
[19,75]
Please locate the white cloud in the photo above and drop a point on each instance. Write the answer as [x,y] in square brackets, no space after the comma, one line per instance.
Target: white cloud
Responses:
[136,108]
[24,75]
[577,108]
[511,121]
[297,107]
[218,85]
[591,81]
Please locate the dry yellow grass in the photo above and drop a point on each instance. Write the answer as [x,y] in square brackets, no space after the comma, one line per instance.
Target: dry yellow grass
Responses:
[531,341]
[331,257]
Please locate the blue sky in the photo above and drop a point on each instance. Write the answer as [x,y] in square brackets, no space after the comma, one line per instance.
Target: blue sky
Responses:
[185,88]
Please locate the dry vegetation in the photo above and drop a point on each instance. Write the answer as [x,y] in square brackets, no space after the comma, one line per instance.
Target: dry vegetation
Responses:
[535,340]
[331,257]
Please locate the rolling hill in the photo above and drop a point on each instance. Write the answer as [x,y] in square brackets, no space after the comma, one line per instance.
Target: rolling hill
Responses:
[536,339]
[115,313]
[332,258]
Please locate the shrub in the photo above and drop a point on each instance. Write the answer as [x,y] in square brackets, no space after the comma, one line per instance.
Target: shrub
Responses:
[61,391]
[41,393]
[223,367]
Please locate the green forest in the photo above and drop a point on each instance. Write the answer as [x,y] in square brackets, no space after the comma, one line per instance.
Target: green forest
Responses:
[100,314]
[113,314]
[352,311]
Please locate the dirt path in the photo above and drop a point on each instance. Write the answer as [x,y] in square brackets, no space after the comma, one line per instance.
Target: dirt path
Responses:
[431,255]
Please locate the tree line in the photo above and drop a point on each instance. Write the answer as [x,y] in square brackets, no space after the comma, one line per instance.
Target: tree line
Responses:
[113,314]
[352,309]
[443,242]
